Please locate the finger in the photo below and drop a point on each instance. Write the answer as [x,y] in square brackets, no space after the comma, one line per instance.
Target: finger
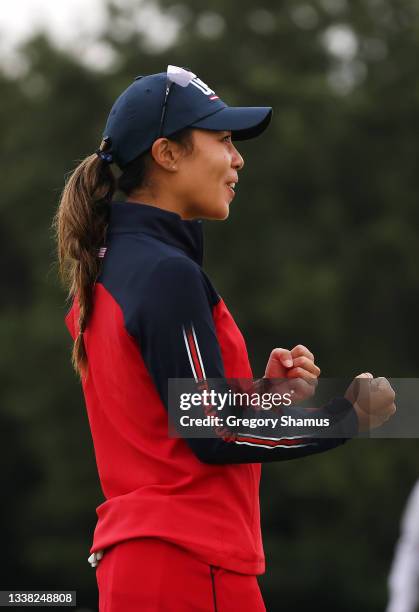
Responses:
[301,373]
[306,364]
[382,383]
[389,413]
[302,351]
[365,375]
[391,409]
[284,356]
[386,391]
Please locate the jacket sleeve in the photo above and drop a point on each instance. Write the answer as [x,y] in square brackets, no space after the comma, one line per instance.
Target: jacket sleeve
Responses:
[177,337]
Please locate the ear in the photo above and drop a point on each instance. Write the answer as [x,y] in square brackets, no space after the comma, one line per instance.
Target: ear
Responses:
[166,153]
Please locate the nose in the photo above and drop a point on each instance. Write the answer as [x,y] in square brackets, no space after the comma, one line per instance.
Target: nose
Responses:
[237,161]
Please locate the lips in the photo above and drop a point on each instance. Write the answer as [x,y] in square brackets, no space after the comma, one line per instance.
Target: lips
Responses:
[233,193]
[233,181]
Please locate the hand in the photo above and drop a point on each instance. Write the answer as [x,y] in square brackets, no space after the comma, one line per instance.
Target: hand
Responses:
[298,365]
[95,558]
[372,399]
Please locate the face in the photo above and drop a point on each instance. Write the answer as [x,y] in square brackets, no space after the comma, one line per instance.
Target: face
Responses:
[203,176]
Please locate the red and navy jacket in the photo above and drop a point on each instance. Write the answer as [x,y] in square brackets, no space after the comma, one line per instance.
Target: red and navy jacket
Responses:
[156,315]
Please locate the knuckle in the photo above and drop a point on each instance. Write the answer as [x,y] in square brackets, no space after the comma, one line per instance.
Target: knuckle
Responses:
[296,372]
[305,374]
[299,350]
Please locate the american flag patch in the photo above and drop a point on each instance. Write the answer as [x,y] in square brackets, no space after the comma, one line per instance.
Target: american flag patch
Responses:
[214,98]
[102,252]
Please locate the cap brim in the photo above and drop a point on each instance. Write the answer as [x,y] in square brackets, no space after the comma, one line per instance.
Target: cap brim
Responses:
[244,122]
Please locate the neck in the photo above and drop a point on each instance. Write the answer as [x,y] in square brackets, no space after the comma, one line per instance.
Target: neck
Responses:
[166,202]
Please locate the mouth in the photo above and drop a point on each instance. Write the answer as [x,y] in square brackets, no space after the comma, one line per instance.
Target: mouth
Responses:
[230,187]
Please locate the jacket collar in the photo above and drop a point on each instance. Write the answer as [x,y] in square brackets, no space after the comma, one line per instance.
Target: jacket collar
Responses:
[167,226]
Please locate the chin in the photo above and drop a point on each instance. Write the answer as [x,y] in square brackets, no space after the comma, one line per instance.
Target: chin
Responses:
[218,213]
[222,212]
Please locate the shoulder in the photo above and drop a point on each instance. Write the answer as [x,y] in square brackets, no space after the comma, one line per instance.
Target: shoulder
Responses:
[176,276]
[176,290]
[177,264]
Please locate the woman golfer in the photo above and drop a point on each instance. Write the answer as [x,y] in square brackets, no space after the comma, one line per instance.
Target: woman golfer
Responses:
[179,529]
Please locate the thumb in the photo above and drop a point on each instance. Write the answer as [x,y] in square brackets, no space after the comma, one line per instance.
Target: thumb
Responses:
[283,356]
[365,375]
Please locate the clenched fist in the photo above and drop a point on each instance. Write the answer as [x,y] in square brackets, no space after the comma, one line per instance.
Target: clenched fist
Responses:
[372,399]
[298,367]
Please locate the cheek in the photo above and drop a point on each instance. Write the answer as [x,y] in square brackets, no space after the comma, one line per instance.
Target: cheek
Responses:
[217,170]
[205,176]
[203,180]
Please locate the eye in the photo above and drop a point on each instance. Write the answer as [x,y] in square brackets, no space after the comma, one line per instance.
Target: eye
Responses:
[229,138]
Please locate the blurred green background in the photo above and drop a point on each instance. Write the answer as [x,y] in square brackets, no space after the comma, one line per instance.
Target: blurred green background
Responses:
[320,248]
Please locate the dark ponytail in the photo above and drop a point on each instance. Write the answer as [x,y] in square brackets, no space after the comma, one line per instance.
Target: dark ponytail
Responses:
[80,226]
[80,223]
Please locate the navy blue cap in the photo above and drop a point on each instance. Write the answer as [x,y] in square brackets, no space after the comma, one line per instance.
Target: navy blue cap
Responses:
[134,121]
